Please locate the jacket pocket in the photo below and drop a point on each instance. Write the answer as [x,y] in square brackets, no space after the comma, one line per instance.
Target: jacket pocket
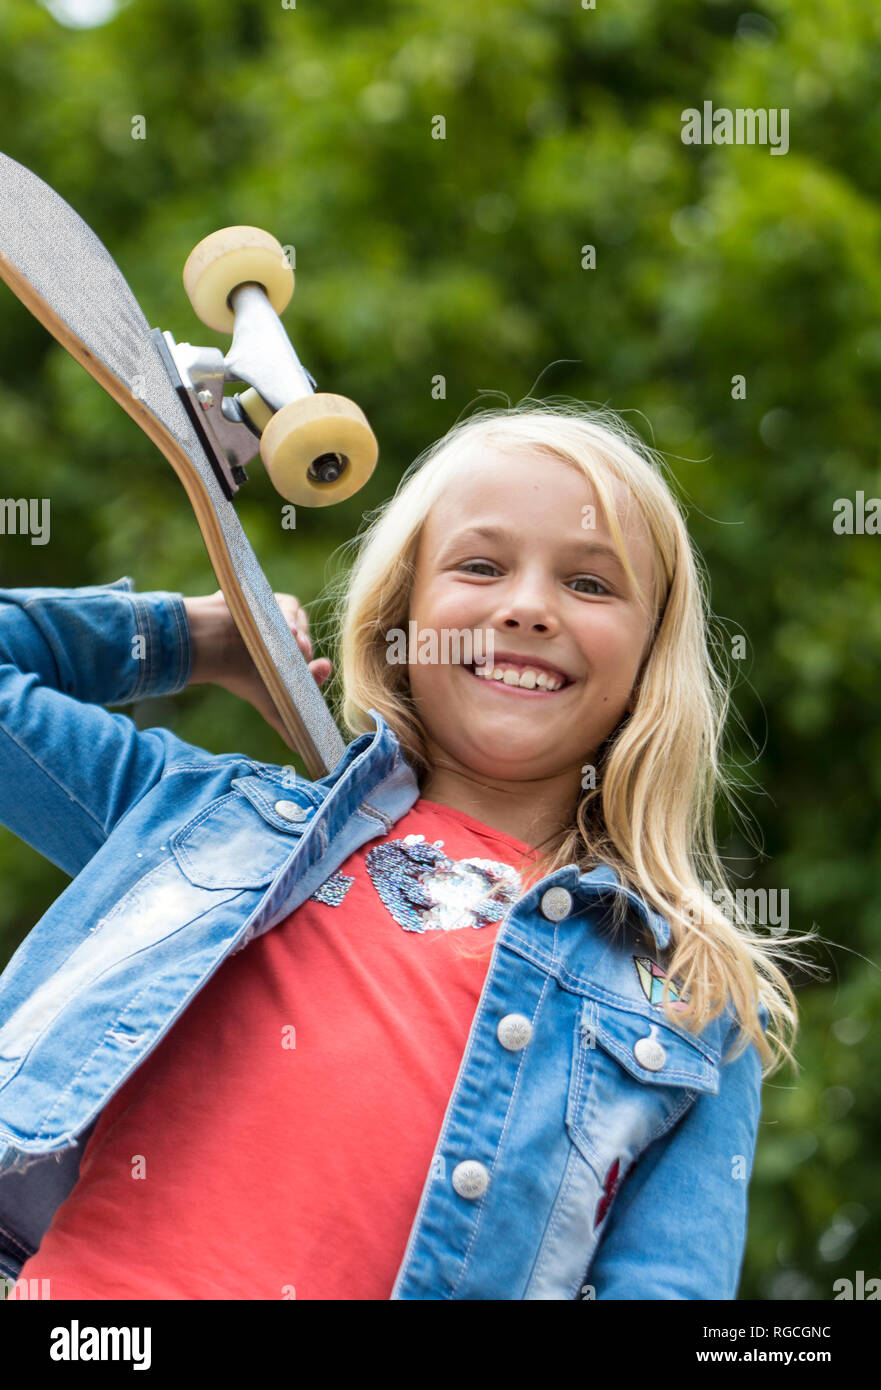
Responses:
[632,1078]
[242,839]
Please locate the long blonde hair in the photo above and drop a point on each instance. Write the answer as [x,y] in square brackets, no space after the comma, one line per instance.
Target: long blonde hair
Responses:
[650,814]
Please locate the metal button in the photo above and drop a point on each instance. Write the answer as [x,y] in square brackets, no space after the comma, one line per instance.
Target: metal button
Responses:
[290,810]
[514,1031]
[649,1052]
[556,904]
[470,1179]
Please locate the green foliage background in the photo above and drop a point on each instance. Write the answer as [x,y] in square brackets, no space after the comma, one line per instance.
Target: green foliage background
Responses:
[462,257]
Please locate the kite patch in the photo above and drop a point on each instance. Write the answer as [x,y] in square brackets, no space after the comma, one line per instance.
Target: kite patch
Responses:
[652,978]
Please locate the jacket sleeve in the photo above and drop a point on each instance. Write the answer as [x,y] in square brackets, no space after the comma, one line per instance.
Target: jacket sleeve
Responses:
[676,1228]
[69,770]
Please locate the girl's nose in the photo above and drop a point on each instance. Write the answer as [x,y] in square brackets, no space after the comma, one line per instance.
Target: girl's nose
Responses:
[527,602]
[536,626]
[528,611]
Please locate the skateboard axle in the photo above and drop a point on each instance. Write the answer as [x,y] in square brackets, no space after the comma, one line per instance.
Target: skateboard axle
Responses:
[261,353]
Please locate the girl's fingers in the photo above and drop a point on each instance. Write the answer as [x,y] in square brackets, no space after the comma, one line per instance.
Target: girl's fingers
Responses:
[293,610]
[298,621]
[304,642]
[321,669]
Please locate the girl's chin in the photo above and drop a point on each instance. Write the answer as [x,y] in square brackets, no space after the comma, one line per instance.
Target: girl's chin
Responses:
[498,746]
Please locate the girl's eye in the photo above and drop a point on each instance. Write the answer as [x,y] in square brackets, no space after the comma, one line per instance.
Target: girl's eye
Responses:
[469,565]
[475,566]
[589,579]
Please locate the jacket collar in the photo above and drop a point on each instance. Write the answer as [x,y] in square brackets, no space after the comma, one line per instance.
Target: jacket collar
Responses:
[605,877]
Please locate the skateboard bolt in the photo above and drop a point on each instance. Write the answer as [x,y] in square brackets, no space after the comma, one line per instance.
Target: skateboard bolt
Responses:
[206,400]
[327,467]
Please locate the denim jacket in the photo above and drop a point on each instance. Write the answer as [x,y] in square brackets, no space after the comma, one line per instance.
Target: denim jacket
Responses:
[589,1149]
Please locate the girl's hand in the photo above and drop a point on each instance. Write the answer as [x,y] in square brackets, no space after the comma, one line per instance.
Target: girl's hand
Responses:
[220,657]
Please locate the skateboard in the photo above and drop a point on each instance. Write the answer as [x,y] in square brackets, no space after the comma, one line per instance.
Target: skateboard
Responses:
[317,447]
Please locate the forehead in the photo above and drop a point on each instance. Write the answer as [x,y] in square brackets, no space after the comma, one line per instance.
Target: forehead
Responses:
[535,493]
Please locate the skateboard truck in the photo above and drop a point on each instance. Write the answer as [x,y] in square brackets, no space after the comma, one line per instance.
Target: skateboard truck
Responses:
[262,356]
[318,448]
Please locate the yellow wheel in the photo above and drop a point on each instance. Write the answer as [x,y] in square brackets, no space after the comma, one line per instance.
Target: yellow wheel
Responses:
[319,450]
[235,256]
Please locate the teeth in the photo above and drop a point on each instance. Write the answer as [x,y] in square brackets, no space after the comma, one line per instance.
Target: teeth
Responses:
[526,680]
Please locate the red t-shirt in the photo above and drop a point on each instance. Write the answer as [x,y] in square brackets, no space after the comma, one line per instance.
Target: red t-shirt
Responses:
[276,1142]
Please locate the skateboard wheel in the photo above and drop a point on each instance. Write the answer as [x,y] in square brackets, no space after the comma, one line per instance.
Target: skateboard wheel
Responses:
[309,441]
[235,256]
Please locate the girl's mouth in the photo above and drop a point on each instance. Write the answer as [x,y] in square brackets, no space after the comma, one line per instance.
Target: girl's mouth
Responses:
[539,684]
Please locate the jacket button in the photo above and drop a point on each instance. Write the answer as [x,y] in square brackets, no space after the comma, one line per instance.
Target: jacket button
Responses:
[649,1053]
[514,1032]
[556,904]
[470,1179]
[290,810]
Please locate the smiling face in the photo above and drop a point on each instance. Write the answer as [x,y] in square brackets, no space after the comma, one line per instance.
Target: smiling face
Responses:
[505,551]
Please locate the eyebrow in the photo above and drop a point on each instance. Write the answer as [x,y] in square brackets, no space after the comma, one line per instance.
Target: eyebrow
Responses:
[589,549]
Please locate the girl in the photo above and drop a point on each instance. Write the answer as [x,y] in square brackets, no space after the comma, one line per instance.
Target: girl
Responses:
[498,1032]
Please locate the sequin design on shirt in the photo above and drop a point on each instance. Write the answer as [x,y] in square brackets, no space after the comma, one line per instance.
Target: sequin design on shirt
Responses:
[652,978]
[425,890]
[332,890]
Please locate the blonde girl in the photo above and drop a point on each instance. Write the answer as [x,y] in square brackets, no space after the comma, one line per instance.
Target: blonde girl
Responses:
[473,1017]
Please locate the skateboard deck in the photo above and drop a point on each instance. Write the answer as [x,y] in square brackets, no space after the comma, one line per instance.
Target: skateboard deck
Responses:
[67,279]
